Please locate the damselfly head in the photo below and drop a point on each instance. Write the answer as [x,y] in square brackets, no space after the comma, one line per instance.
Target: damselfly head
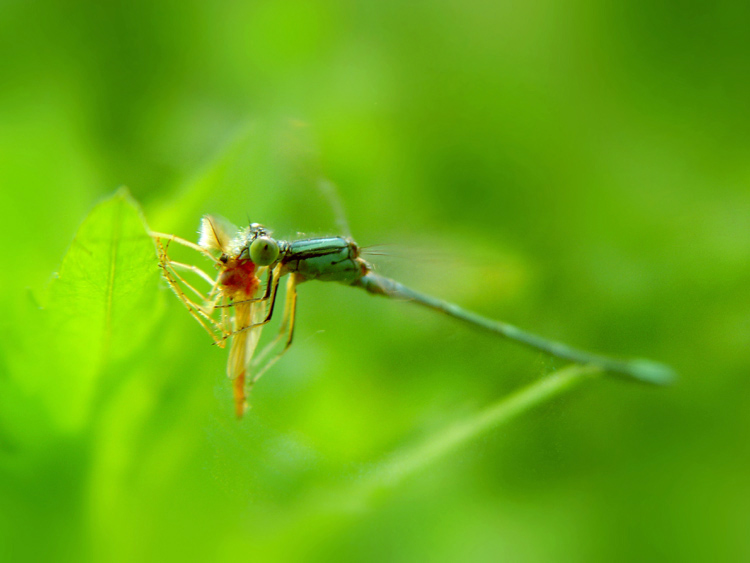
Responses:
[258,230]
[264,251]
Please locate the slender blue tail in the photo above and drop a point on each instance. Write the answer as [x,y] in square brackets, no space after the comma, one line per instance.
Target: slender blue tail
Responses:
[644,371]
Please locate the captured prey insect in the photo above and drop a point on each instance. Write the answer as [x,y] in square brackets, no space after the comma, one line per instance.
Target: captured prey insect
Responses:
[233,292]
[324,259]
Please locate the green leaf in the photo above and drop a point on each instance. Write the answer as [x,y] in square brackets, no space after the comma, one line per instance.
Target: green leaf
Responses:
[101,307]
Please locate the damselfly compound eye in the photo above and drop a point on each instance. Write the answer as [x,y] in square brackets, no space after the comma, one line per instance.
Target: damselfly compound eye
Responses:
[264,251]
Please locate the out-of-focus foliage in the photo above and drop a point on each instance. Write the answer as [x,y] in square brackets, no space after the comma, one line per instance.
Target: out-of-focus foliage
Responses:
[579,169]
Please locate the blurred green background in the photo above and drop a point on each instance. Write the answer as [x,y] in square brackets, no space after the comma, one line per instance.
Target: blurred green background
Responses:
[579,169]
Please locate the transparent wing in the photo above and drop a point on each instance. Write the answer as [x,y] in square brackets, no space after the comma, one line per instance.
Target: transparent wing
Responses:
[215,233]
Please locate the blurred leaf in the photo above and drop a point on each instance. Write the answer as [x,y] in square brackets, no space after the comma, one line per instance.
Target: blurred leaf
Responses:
[100,308]
[189,204]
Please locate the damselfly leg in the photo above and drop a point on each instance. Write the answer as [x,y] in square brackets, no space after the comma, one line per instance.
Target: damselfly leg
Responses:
[286,329]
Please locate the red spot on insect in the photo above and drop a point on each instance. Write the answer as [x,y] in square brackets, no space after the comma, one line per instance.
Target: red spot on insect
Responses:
[238,279]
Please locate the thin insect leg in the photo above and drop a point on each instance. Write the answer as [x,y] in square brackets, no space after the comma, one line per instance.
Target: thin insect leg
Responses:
[287,326]
[163,256]
[273,294]
[204,320]
[165,259]
[252,325]
[225,318]
[283,326]
[199,314]
[170,273]
[173,277]
[195,269]
[264,321]
[183,242]
[183,281]
[196,311]
[208,306]
[203,310]
[214,291]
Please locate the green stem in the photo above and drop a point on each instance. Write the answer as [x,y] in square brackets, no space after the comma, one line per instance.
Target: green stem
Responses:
[324,511]
[459,434]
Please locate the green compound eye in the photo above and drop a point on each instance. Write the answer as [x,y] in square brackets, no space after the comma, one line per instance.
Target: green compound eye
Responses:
[264,251]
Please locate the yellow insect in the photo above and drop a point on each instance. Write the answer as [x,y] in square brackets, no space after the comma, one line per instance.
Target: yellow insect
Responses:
[234,293]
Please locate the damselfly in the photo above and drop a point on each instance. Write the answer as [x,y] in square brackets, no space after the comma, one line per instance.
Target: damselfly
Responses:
[338,259]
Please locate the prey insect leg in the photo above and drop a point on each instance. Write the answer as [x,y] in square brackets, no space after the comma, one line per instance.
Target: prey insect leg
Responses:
[201,313]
